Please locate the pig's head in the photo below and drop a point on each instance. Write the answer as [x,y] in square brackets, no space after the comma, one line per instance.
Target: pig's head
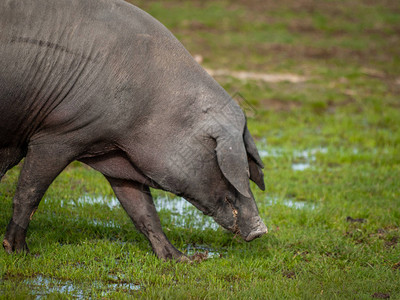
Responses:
[211,169]
[228,198]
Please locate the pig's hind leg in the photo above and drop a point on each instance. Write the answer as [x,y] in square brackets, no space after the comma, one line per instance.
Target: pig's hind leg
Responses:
[9,157]
[42,165]
[132,190]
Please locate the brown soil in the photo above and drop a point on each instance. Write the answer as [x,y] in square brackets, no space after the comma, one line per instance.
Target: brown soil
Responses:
[199,256]
[309,6]
[279,105]
[351,220]
[289,274]
[381,296]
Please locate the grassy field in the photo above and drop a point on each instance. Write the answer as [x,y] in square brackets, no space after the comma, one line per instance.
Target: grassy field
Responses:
[330,144]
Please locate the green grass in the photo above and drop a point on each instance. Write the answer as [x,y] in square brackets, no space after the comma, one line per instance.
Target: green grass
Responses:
[343,122]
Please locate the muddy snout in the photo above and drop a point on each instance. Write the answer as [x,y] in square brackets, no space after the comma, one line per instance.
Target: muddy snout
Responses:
[255,228]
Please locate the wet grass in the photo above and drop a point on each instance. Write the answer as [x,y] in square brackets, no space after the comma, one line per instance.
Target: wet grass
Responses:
[342,126]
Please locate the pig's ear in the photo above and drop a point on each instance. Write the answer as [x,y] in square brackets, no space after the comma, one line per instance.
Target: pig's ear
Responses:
[255,163]
[256,174]
[232,160]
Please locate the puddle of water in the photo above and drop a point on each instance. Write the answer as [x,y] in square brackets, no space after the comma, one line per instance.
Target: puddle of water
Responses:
[300,166]
[291,203]
[306,157]
[310,153]
[184,214]
[212,253]
[176,205]
[109,224]
[111,202]
[272,152]
[298,204]
[122,286]
[41,287]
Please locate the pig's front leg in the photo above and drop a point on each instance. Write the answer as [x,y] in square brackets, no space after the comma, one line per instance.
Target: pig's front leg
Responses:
[137,201]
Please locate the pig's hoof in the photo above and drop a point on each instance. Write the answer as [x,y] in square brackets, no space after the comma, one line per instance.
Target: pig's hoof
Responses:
[178,257]
[183,258]
[14,240]
[14,247]
[7,246]
[171,253]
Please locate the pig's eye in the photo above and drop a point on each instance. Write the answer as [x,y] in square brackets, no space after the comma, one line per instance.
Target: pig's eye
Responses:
[208,142]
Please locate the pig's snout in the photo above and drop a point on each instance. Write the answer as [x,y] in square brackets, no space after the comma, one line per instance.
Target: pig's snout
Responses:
[258,229]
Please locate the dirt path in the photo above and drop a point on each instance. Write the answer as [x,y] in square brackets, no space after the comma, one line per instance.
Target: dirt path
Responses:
[258,76]
[245,75]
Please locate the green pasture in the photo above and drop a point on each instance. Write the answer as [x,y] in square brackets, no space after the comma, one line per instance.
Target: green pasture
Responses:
[331,148]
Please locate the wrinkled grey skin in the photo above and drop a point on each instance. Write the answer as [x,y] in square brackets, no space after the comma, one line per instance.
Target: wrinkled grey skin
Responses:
[102,82]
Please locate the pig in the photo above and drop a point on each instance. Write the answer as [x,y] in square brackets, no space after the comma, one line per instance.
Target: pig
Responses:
[104,83]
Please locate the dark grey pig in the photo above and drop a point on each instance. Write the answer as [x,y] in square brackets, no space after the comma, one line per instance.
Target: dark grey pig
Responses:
[102,82]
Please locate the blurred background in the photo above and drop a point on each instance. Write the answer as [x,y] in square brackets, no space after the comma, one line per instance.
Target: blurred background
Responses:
[320,84]
[322,57]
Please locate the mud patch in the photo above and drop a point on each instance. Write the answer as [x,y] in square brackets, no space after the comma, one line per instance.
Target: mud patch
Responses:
[289,274]
[392,242]
[302,26]
[351,220]
[199,256]
[396,266]
[389,234]
[381,296]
